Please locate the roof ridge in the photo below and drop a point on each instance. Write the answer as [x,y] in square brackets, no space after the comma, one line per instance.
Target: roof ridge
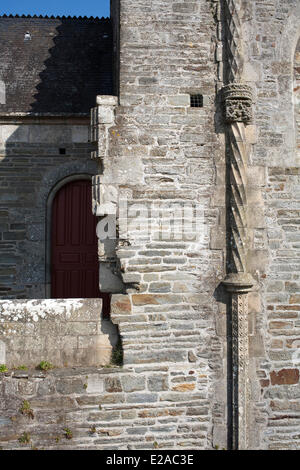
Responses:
[85,18]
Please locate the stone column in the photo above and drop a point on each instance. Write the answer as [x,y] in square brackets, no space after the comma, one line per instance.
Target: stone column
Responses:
[237,99]
[105,193]
[238,281]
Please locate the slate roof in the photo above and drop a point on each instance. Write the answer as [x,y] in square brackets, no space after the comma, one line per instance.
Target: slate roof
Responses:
[60,69]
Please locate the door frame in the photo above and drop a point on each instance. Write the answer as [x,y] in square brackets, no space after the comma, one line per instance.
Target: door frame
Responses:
[48,248]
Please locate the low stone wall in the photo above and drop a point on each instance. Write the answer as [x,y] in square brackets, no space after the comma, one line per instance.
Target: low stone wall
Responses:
[65,332]
[103,409]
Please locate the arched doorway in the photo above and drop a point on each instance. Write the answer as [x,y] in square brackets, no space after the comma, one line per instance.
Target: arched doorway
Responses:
[74,258]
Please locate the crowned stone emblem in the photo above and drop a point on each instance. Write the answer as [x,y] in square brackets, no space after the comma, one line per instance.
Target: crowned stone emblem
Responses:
[237,98]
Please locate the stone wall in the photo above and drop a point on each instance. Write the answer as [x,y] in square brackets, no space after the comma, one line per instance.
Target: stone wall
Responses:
[163,154]
[296,87]
[67,332]
[160,159]
[98,409]
[31,165]
[271,36]
[162,149]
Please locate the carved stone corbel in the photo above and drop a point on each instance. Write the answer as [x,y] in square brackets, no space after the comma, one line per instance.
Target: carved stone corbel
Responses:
[237,98]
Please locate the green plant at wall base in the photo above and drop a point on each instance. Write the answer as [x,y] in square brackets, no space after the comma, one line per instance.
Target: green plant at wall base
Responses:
[26,409]
[117,354]
[68,433]
[25,438]
[93,430]
[155,445]
[45,365]
[3,368]
[22,368]
[85,386]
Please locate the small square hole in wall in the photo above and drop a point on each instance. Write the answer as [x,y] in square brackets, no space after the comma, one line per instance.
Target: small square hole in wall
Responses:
[62,151]
[196,101]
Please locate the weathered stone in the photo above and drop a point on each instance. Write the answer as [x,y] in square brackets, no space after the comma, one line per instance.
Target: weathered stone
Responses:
[142,398]
[183,387]
[157,383]
[113,385]
[161,160]
[70,386]
[132,383]
[179,100]
[120,304]
[192,357]
[284,376]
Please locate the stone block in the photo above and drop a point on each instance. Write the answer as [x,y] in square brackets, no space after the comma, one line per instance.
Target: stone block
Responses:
[120,304]
[107,204]
[95,384]
[2,352]
[158,383]
[133,383]
[179,100]
[142,398]
[105,115]
[285,377]
[109,279]
[70,386]
[113,385]
[107,100]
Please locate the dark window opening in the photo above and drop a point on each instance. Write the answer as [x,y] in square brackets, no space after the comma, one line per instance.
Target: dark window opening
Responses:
[62,151]
[196,101]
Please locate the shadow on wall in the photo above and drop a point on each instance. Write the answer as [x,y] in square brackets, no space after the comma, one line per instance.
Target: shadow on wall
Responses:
[55,65]
[53,69]
[58,70]
[78,69]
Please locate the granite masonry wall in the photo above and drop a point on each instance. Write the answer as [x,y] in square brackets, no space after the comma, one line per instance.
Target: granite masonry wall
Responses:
[64,332]
[162,154]
[100,408]
[31,166]
[271,55]
[175,153]
[154,152]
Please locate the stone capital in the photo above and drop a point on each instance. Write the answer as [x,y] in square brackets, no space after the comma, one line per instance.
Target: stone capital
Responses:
[237,98]
[239,283]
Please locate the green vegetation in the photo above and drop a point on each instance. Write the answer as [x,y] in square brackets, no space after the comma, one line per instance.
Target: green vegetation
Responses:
[25,438]
[45,365]
[3,368]
[68,433]
[26,409]
[117,354]
[22,368]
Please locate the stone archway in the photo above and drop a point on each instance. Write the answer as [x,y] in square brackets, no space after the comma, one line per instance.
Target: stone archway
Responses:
[52,194]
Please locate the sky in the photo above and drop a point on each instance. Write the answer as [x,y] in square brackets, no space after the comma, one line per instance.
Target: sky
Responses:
[55,7]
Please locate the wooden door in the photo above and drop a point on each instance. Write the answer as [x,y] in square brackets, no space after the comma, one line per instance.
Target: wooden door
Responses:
[74,258]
